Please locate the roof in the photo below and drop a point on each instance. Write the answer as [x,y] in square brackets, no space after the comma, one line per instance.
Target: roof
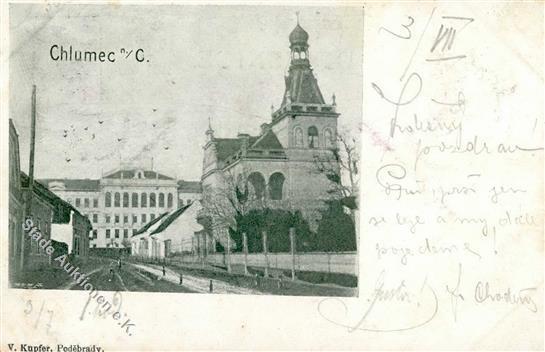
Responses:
[298,35]
[226,147]
[149,224]
[12,128]
[170,219]
[267,141]
[61,214]
[74,184]
[302,86]
[148,174]
[189,186]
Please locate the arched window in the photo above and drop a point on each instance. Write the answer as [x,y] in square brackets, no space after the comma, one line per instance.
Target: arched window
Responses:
[108,199]
[134,199]
[161,200]
[170,199]
[276,185]
[117,199]
[152,202]
[298,137]
[143,200]
[328,138]
[313,137]
[125,200]
[258,183]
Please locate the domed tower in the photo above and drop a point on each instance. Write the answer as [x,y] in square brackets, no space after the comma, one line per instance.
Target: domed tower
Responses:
[304,120]
[299,44]
[301,86]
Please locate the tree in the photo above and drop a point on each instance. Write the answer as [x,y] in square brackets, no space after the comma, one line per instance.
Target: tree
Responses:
[341,168]
[277,223]
[230,199]
[336,230]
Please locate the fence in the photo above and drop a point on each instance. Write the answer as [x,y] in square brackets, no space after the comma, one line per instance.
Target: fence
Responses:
[323,262]
[339,263]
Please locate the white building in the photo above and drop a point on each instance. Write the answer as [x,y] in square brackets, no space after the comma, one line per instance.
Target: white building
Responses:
[123,201]
[175,232]
[188,192]
[141,243]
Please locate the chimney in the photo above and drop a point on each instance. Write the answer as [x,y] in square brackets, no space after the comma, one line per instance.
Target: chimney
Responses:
[245,142]
[264,128]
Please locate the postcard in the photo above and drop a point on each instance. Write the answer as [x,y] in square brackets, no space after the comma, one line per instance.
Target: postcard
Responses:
[272,176]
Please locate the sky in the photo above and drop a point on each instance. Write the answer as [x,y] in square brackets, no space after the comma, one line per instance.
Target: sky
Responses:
[226,63]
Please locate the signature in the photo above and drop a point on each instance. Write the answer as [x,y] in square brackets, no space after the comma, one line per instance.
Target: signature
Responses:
[455,294]
[483,295]
[382,295]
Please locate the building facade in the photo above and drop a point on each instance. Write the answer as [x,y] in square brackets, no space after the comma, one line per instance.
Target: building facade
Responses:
[72,228]
[47,211]
[16,209]
[178,232]
[57,220]
[280,164]
[123,201]
[188,192]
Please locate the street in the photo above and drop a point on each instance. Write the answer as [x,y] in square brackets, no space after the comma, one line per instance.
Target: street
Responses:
[129,278]
[149,277]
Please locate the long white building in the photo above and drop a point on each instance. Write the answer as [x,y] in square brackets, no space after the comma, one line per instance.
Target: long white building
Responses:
[123,201]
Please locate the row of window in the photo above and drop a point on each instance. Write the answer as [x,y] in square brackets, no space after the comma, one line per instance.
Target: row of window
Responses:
[275,185]
[117,219]
[116,233]
[84,202]
[313,138]
[123,200]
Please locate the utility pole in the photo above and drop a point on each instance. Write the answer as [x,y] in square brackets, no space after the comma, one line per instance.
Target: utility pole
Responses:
[29,195]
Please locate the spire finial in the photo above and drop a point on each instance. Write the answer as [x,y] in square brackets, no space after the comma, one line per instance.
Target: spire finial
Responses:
[297,14]
[209,131]
[334,98]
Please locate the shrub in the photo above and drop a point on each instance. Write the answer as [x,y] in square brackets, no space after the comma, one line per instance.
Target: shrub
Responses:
[277,223]
[336,231]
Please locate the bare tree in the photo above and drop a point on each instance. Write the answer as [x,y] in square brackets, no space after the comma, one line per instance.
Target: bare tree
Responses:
[233,196]
[341,167]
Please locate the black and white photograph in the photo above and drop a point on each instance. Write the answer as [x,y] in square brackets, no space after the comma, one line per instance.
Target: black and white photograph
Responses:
[271,175]
[190,149]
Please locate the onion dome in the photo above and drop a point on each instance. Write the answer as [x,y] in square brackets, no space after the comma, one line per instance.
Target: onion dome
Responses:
[298,36]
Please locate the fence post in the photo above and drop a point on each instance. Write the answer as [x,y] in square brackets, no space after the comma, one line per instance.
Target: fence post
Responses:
[205,240]
[198,248]
[265,252]
[292,245]
[228,253]
[201,250]
[245,245]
